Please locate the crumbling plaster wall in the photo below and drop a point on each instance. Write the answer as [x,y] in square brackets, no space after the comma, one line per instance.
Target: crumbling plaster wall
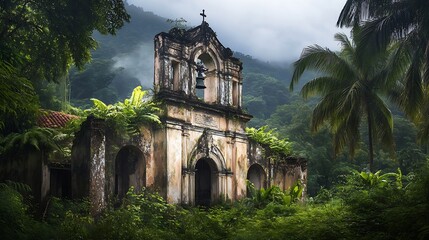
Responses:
[284,172]
[287,175]
[184,129]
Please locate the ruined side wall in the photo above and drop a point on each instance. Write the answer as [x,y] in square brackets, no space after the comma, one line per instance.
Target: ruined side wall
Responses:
[283,173]
[256,156]
[80,155]
[287,176]
[88,164]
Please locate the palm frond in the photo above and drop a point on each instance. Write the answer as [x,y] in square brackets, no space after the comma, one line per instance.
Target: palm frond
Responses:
[352,13]
[413,90]
[382,123]
[347,47]
[324,110]
[320,59]
[319,86]
[347,134]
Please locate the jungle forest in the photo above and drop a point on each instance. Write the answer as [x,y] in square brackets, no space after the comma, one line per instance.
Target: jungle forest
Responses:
[358,115]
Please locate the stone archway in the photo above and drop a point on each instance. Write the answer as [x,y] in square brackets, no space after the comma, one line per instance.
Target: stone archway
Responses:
[130,170]
[206,182]
[257,176]
[206,166]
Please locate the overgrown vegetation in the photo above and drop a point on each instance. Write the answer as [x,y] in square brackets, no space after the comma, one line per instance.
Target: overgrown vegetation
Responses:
[127,116]
[362,206]
[269,140]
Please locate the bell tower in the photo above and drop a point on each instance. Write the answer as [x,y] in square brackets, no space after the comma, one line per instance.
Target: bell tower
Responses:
[178,54]
[199,83]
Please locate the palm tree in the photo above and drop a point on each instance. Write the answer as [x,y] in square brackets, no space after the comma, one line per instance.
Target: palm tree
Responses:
[351,89]
[405,22]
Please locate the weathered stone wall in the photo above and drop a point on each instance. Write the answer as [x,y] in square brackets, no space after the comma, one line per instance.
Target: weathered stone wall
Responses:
[88,164]
[80,156]
[290,170]
[241,167]
[174,162]
[283,172]
[29,168]
[158,166]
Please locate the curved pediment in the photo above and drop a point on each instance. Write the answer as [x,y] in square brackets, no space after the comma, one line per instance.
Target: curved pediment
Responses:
[201,34]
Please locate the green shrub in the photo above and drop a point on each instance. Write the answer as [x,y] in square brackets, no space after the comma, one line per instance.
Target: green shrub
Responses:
[15,220]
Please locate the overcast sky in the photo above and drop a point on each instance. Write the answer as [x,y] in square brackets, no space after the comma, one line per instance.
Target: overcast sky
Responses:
[271,30]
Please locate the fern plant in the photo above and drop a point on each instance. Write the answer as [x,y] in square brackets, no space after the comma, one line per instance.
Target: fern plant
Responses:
[127,116]
[36,139]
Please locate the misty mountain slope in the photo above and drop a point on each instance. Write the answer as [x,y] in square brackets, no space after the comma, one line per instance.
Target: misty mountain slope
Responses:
[142,28]
[120,62]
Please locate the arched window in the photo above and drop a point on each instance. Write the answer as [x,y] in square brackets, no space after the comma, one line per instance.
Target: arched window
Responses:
[130,170]
[210,93]
[175,68]
[256,175]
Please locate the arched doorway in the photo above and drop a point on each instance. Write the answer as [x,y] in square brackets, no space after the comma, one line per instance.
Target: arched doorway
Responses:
[205,182]
[256,175]
[130,170]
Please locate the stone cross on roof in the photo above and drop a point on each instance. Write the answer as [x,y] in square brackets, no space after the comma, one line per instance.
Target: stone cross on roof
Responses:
[203,14]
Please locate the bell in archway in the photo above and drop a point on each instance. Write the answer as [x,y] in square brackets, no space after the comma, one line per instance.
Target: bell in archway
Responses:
[200,80]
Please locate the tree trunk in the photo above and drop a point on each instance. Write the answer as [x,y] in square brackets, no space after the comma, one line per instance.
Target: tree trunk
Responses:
[371,149]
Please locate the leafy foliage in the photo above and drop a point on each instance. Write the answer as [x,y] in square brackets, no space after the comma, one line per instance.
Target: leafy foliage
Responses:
[363,206]
[34,139]
[403,22]
[260,198]
[268,139]
[381,180]
[51,35]
[18,101]
[127,116]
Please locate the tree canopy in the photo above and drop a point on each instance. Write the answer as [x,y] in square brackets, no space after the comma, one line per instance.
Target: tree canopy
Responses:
[404,22]
[40,40]
[48,36]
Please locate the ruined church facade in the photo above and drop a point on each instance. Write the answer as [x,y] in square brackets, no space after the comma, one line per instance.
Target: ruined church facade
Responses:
[202,154]
[204,146]
[199,156]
